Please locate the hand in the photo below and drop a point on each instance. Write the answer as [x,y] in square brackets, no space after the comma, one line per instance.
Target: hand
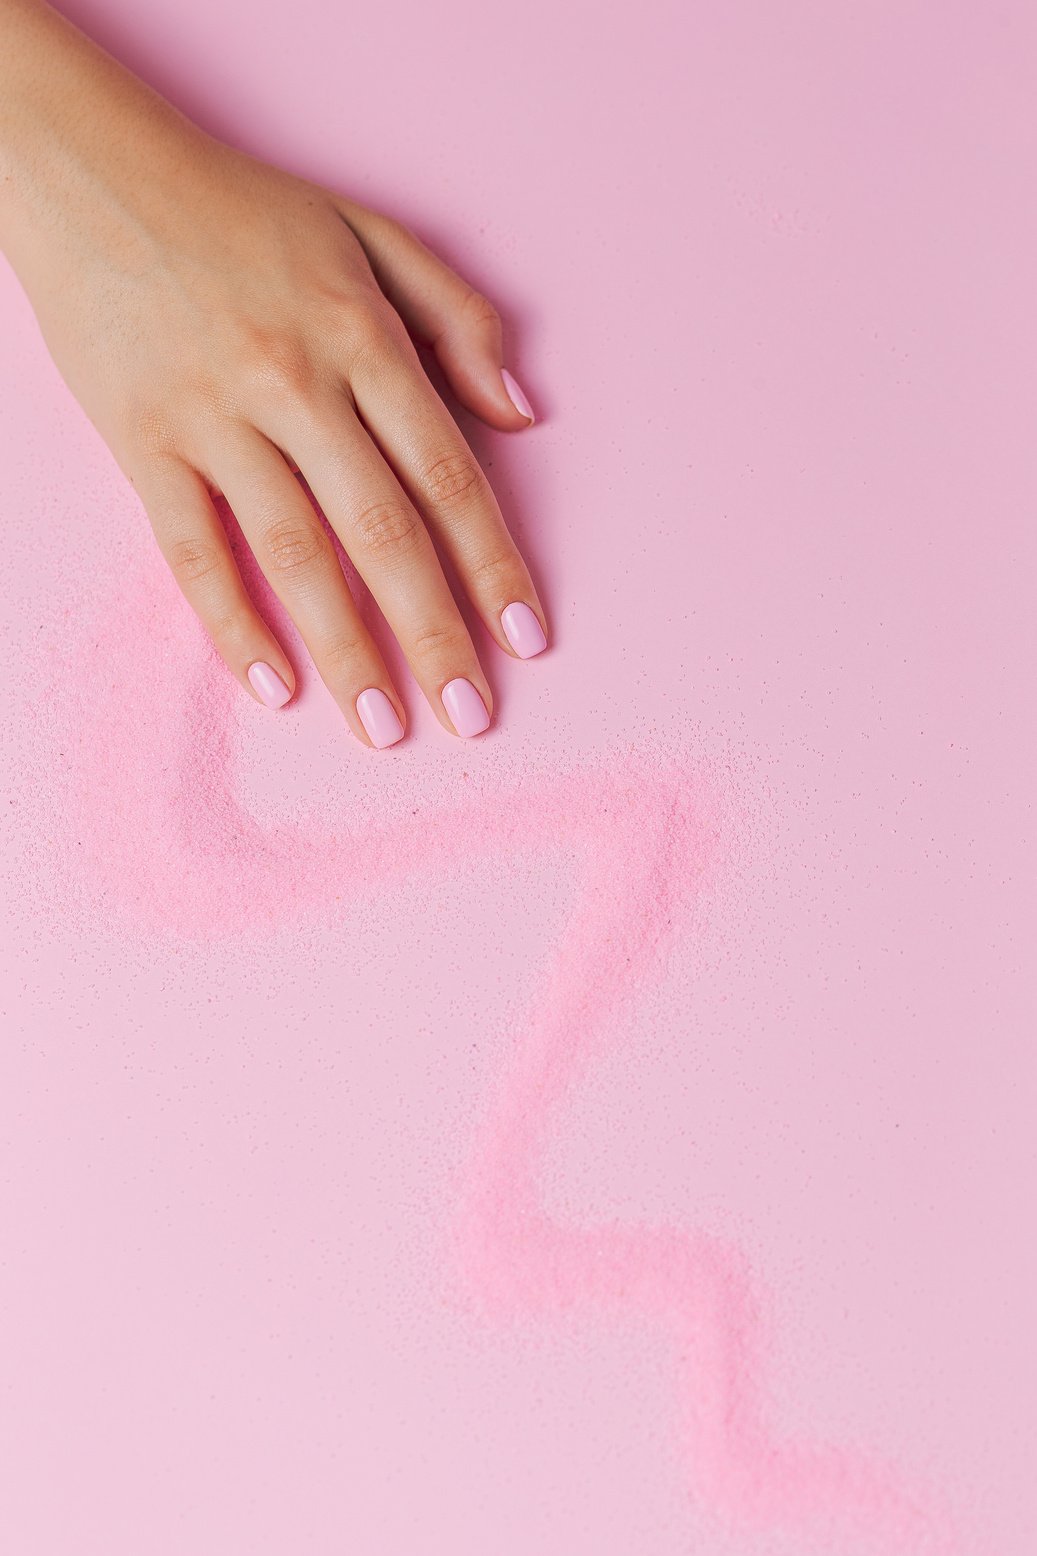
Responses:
[224,323]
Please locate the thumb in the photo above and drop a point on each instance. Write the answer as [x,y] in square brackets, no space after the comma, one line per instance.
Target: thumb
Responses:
[439,308]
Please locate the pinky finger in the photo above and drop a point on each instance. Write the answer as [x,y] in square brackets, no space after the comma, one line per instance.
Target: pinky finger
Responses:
[194,543]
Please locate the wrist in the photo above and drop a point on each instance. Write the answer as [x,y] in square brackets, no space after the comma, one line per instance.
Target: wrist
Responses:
[85,146]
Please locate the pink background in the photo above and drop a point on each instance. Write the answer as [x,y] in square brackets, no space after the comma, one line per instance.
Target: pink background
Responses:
[768,273]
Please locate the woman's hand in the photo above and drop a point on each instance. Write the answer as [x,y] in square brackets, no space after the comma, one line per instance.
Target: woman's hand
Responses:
[222,322]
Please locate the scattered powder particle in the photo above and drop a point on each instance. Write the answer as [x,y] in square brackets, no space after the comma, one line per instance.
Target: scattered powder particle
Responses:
[135,819]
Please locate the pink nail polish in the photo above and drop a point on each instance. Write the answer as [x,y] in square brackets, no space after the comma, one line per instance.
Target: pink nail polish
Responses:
[466,708]
[379,718]
[268,685]
[516,396]
[522,630]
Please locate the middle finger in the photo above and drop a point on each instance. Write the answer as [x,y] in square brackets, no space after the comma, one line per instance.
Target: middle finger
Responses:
[386,540]
[413,426]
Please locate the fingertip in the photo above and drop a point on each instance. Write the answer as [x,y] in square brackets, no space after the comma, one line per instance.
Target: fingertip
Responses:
[382,722]
[483,387]
[270,688]
[523,629]
[517,397]
[469,710]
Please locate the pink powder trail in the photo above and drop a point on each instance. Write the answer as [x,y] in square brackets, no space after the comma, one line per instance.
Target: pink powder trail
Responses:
[135,821]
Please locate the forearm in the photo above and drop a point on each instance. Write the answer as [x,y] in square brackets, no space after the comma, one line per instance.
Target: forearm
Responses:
[88,152]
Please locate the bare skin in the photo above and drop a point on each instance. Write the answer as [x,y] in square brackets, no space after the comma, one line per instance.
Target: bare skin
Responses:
[224,323]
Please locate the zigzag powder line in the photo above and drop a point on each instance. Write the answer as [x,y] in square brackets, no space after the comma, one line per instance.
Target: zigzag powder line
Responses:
[146,833]
[698,1288]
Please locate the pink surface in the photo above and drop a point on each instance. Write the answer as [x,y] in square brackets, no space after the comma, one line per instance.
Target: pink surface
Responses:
[614,1134]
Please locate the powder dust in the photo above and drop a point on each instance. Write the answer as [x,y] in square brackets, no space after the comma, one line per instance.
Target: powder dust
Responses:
[134,821]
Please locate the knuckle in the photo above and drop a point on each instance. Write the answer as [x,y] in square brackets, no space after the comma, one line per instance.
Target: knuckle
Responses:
[293,546]
[343,653]
[151,432]
[388,529]
[368,328]
[320,419]
[289,376]
[450,478]
[440,640]
[193,559]
[277,366]
[490,569]
[227,626]
[477,309]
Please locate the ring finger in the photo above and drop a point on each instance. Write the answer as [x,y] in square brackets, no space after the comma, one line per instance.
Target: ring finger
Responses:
[390,547]
[424,444]
[298,557]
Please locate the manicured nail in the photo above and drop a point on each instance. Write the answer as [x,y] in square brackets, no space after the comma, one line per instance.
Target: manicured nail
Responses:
[466,708]
[522,630]
[516,396]
[268,685]
[379,718]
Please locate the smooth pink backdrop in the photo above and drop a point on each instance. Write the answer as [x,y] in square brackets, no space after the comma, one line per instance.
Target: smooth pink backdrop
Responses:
[768,279]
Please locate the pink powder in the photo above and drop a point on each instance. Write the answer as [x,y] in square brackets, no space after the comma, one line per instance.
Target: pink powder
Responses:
[136,822]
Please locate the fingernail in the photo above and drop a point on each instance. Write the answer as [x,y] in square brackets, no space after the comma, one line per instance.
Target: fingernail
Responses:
[466,708]
[379,718]
[268,685]
[522,630]
[516,396]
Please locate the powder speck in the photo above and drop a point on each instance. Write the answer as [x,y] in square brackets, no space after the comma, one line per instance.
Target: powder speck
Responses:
[146,831]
